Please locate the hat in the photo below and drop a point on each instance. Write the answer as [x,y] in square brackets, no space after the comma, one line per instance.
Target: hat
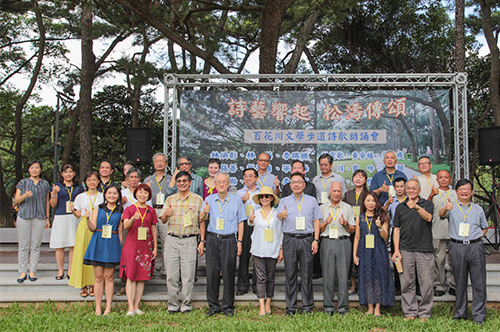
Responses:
[266,190]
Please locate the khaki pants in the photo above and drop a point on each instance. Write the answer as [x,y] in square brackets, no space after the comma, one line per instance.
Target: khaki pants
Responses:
[440,254]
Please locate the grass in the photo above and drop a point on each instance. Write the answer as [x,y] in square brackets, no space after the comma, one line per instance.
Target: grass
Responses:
[52,316]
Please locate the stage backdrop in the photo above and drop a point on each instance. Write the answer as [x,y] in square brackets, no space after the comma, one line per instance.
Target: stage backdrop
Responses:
[356,128]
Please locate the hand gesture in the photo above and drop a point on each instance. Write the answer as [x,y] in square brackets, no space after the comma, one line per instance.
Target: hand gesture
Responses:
[377,222]
[87,213]
[206,208]
[434,191]
[136,216]
[329,219]
[148,183]
[283,214]
[251,218]
[71,206]
[246,197]
[55,189]
[276,182]
[449,205]
[175,172]
[390,200]
[28,193]
[384,188]
[342,221]
[411,204]
[124,199]
[170,211]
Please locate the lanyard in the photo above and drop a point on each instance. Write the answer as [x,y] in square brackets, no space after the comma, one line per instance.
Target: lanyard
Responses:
[158,183]
[339,208]
[370,219]
[465,215]
[92,203]
[402,200]
[189,199]
[267,217]
[444,198]
[142,216]
[109,215]
[265,177]
[105,186]
[301,202]
[390,179]
[222,209]
[324,184]
[210,189]
[357,196]
[130,195]
[70,192]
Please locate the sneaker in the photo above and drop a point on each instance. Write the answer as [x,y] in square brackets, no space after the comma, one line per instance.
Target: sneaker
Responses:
[439,293]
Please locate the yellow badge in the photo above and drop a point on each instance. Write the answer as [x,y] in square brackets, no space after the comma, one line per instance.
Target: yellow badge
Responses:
[300,223]
[334,232]
[186,220]
[249,209]
[106,231]
[68,207]
[370,241]
[392,191]
[324,197]
[160,199]
[356,210]
[463,230]
[220,224]
[268,235]
[142,233]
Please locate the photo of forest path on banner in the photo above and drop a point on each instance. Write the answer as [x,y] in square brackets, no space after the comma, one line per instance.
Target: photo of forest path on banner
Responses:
[355,128]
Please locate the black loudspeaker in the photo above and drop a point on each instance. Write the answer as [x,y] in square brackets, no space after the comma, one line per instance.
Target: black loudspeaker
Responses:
[489,146]
[139,145]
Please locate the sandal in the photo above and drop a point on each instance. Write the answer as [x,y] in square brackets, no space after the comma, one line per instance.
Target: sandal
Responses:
[91,291]
[351,291]
[84,293]
[60,277]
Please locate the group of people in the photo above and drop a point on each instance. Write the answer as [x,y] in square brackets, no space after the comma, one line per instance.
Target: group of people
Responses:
[318,228]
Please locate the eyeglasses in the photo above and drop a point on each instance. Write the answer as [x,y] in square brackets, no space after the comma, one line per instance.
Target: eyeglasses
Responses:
[265,196]
[297,182]
[248,176]
[423,163]
[264,160]
[182,181]
[184,164]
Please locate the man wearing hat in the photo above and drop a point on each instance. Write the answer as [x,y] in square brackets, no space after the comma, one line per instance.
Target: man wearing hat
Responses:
[300,214]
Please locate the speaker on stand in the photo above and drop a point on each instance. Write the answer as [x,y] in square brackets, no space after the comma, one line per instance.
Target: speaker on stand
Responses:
[489,154]
[139,145]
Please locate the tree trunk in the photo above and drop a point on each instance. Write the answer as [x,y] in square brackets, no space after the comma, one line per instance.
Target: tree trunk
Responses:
[495,60]
[70,139]
[460,35]
[269,38]
[18,162]
[435,137]
[87,78]
[413,144]
[6,218]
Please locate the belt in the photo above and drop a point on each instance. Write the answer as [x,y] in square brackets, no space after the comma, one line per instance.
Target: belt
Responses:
[158,206]
[299,236]
[182,236]
[100,230]
[222,236]
[465,241]
[343,237]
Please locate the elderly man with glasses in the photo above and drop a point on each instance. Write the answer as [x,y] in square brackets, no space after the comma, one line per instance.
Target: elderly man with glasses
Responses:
[184,164]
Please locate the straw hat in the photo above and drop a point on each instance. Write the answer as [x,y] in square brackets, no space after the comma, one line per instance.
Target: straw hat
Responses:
[263,191]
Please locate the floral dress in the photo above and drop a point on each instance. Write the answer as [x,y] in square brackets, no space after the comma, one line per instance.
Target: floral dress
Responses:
[136,262]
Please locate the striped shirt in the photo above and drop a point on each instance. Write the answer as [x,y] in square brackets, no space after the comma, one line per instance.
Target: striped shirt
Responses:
[190,205]
[36,205]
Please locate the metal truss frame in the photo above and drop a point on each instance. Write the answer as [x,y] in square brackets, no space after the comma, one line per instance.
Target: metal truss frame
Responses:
[456,82]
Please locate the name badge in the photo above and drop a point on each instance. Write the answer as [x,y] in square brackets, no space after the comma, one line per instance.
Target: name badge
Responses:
[300,223]
[106,231]
[249,209]
[369,241]
[186,220]
[324,197]
[334,232]
[220,224]
[68,207]
[356,210]
[160,199]
[142,233]
[463,229]
[392,191]
[268,235]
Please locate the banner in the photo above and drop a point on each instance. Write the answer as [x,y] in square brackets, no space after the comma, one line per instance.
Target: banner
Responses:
[355,128]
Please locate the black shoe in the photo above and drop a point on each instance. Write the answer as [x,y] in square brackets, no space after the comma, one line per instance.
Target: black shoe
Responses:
[439,293]
[172,312]
[398,292]
[290,312]
[308,312]
[329,313]
[317,275]
[33,278]
[343,313]
[186,311]
[21,280]
[211,312]
[452,292]
[240,292]
[480,323]
[229,313]
[459,318]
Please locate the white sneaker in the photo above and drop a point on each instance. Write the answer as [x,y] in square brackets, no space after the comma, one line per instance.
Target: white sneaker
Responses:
[130,313]
[138,312]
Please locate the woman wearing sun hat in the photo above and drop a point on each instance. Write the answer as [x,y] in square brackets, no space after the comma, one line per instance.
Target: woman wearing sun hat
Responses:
[266,245]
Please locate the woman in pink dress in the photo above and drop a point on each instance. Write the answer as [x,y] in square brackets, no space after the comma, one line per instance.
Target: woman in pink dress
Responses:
[209,183]
[140,248]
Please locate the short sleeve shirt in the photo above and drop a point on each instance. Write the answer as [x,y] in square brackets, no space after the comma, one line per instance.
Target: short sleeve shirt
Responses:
[415,232]
[36,205]
[309,209]
[231,209]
